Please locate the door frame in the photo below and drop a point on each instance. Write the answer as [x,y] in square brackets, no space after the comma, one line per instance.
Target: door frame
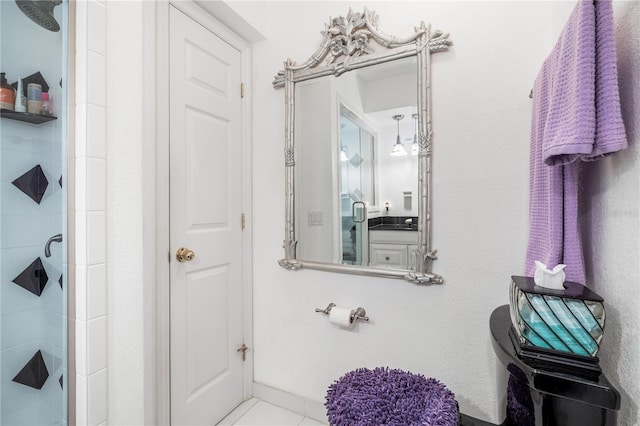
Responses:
[159,43]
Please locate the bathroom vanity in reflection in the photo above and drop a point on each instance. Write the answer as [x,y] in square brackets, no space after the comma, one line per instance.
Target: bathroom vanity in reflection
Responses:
[393,242]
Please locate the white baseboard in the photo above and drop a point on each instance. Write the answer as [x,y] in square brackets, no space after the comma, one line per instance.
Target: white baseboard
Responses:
[295,403]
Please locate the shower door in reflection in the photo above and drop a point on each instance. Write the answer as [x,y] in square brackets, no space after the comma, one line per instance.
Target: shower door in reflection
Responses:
[357,187]
[33,199]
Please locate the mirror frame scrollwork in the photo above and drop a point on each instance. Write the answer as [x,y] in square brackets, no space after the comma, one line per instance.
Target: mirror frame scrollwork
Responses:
[345,47]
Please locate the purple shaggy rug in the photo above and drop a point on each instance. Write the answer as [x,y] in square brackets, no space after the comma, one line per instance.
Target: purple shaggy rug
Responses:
[383,396]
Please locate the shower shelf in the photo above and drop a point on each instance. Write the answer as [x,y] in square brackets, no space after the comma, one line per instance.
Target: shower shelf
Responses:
[27,117]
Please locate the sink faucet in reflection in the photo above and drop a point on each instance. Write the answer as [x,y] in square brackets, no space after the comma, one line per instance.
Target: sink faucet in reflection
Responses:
[47,247]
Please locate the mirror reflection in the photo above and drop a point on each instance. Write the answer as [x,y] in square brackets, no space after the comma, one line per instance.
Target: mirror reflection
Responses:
[357,166]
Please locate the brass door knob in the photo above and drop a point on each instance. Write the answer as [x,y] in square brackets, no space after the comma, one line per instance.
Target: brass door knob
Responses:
[185,255]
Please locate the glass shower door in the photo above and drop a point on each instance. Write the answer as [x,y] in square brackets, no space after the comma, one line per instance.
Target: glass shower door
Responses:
[33,219]
[357,189]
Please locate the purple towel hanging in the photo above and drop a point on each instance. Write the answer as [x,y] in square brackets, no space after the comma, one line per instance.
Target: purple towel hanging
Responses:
[576,115]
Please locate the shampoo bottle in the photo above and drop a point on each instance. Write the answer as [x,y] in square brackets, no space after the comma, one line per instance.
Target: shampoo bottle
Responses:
[34,98]
[6,94]
[20,101]
[46,104]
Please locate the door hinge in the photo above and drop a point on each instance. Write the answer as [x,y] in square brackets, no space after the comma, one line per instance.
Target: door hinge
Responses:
[242,90]
[243,222]
[244,348]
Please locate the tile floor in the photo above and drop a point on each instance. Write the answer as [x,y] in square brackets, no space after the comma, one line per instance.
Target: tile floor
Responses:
[255,412]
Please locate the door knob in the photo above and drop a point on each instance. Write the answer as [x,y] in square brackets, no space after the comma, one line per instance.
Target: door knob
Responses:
[185,255]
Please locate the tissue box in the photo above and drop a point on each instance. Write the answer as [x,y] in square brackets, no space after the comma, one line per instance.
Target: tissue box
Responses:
[569,320]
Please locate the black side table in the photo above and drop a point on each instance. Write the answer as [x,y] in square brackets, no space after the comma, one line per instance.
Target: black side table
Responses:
[558,398]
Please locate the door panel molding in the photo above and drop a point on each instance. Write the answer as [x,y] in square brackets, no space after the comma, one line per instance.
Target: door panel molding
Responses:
[158,237]
[204,187]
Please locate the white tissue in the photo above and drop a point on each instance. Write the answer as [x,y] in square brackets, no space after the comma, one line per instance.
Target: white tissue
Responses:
[553,279]
[340,317]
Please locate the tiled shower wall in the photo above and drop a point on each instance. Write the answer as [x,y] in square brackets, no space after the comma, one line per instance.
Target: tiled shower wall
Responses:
[89,214]
[32,209]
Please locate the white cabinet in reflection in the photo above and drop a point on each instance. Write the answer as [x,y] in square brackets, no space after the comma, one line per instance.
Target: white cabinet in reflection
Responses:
[393,249]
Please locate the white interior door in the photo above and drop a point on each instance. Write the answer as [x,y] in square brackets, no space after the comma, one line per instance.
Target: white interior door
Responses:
[205,211]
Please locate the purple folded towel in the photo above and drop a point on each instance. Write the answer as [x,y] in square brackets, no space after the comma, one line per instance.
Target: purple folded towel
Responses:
[610,131]
[576,115]
[383,396]
[578,89]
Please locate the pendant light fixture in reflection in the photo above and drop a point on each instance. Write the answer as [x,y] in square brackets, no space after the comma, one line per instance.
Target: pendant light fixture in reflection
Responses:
[398,149]
[415,148]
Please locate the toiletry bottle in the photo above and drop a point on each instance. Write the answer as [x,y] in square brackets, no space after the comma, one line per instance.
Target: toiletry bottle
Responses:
[20,101]
[46,105]
[7,97]
[34,98]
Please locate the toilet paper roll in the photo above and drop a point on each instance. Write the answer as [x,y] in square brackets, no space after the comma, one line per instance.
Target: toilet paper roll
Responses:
[340,316]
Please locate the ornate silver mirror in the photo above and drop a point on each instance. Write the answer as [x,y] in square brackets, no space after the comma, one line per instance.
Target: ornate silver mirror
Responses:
[342,133]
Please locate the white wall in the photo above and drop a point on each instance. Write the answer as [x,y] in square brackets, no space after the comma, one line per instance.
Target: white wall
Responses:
[611,227]
[127,103]
[481,125]
[481,130]
[314,113]
[610,220]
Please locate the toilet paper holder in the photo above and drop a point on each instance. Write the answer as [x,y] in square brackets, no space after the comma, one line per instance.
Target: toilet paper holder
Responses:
[356,314]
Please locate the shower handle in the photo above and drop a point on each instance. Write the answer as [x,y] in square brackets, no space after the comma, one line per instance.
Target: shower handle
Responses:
[185,255]
[47,247]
